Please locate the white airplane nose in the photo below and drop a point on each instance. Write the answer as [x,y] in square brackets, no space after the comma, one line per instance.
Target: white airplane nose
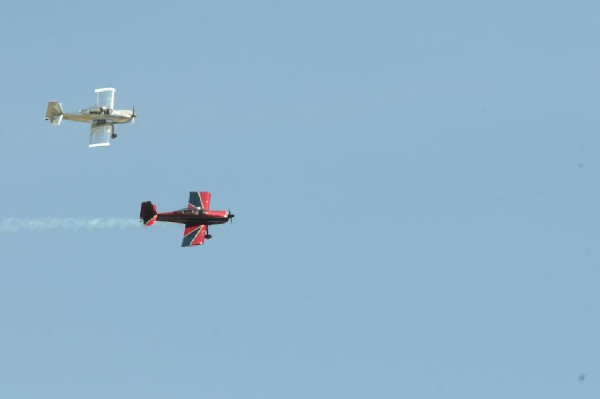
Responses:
[132,116]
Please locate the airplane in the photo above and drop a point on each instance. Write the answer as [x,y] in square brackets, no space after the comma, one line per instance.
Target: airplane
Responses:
[196,217]
[102,116]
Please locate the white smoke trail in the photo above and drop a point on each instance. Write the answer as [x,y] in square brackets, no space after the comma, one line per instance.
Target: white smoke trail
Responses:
[10,225]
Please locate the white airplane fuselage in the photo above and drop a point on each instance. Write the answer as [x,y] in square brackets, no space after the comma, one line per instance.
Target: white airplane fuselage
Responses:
[98,115]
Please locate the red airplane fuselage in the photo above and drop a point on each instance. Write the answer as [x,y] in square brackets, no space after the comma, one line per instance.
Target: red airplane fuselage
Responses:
[194,216]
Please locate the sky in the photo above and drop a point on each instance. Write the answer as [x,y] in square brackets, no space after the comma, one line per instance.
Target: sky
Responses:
[415,187]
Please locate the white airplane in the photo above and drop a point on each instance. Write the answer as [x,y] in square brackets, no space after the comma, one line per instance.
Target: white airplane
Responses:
[102,117]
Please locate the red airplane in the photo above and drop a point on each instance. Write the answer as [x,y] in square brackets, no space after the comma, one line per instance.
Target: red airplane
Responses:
[196,217]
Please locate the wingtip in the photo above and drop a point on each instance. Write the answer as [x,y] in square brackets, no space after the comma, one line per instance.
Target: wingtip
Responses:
[99,145]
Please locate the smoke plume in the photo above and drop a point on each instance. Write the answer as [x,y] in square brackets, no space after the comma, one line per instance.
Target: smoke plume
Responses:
[10,225]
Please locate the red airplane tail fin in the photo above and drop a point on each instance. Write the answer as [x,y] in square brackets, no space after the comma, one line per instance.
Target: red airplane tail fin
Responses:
[148,213]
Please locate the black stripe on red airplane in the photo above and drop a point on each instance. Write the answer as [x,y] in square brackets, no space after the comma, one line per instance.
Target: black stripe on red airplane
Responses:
[196,217]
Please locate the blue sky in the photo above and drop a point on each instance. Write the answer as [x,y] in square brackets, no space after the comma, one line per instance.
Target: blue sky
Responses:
[415,190]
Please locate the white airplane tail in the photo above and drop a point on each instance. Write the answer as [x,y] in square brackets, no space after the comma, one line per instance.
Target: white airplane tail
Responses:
[54,112]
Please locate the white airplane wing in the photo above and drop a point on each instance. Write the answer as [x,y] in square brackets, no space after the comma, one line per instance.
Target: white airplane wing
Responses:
[101,134]
[105,97]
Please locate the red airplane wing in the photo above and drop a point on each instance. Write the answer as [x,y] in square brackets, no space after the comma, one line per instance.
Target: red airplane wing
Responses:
[199,200]
[194,234]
